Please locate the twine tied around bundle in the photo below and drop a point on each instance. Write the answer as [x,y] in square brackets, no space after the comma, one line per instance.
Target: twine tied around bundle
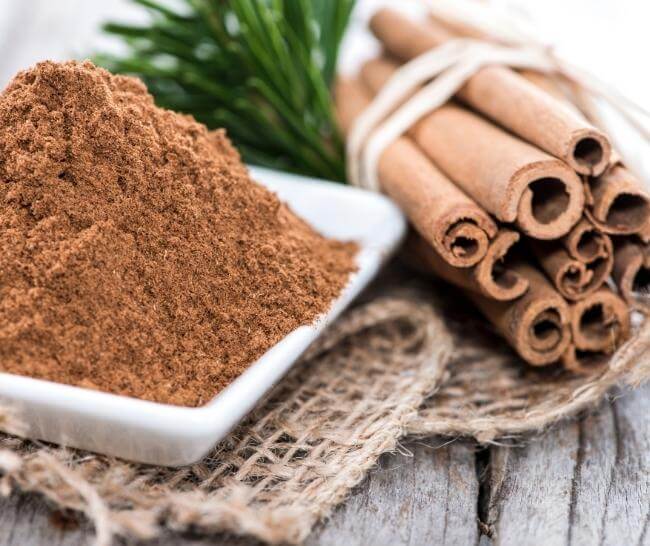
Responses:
[427,82]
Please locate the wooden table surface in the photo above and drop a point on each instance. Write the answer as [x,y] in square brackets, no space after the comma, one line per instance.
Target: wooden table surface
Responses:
[585,482]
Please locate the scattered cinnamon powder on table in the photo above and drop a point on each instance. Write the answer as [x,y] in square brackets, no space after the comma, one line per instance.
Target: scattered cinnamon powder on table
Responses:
[136,254]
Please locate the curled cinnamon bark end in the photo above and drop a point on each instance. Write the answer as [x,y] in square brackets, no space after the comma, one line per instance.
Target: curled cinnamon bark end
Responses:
[545,331]
[465,243]
[618,204]
[576,278]
[505,97]
[584,362]
[444,215]
[589,152]
[536,324]
[453,224]
[632,273]
[599,325]
[552,201]
[495,275]
[600,322]
[587,243]
[543,336]
[508,177]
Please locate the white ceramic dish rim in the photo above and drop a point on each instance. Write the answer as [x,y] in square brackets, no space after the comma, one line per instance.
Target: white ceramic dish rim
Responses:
[201,427]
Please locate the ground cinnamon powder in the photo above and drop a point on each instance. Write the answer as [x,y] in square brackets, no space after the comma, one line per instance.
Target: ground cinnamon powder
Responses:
[136,255]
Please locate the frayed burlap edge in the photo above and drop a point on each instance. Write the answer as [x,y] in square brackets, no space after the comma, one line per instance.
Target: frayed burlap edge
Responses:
[360,389]
[491,396]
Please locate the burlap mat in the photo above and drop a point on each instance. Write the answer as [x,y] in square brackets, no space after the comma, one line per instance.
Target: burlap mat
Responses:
[367,383]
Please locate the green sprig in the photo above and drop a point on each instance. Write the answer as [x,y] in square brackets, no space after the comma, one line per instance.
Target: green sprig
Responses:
[262,69]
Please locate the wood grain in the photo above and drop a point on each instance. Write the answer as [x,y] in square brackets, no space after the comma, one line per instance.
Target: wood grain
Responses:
[425,498]
[585,482]
[424,495]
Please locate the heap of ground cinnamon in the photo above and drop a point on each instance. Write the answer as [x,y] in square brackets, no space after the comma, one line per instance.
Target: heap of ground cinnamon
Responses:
[136,254]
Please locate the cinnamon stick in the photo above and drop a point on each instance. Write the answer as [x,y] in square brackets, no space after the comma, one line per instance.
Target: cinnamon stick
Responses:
[449,220]
[536,324]
[506,97]
[549,85]
[632,271]
[511,179]
[584,362]
[587,243]
[580,263]
[572,278]
[617,203]
[600,323]
[493,276]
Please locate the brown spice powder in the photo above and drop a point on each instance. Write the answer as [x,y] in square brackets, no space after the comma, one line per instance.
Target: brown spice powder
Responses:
[136,255]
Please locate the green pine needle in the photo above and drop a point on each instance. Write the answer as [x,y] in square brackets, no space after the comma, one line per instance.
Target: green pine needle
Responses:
[262,69]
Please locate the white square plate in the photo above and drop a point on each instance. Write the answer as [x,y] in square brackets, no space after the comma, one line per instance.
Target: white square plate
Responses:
[169,435]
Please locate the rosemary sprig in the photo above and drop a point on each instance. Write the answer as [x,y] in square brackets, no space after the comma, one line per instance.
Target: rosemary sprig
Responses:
[260,68]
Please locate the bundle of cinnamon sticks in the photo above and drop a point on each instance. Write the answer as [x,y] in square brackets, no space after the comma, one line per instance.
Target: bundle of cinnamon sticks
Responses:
[516,198]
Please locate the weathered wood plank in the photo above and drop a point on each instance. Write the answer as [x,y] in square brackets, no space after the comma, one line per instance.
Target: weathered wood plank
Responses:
[428,498]
[626,511]
[530,489]
[27,520]
[425,498]
[584,483]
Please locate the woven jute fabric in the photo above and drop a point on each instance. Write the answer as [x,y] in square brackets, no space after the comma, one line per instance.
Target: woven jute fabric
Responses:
[402,363]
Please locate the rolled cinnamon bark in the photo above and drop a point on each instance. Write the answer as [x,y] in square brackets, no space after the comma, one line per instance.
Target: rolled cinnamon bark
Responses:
[493,276]
[587,243]
[584,362]
[511,179]
[617,202]
[449,220]
[600,323]
[572,278]
[579,263]
[506,97]
[536,324]
[632,272]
